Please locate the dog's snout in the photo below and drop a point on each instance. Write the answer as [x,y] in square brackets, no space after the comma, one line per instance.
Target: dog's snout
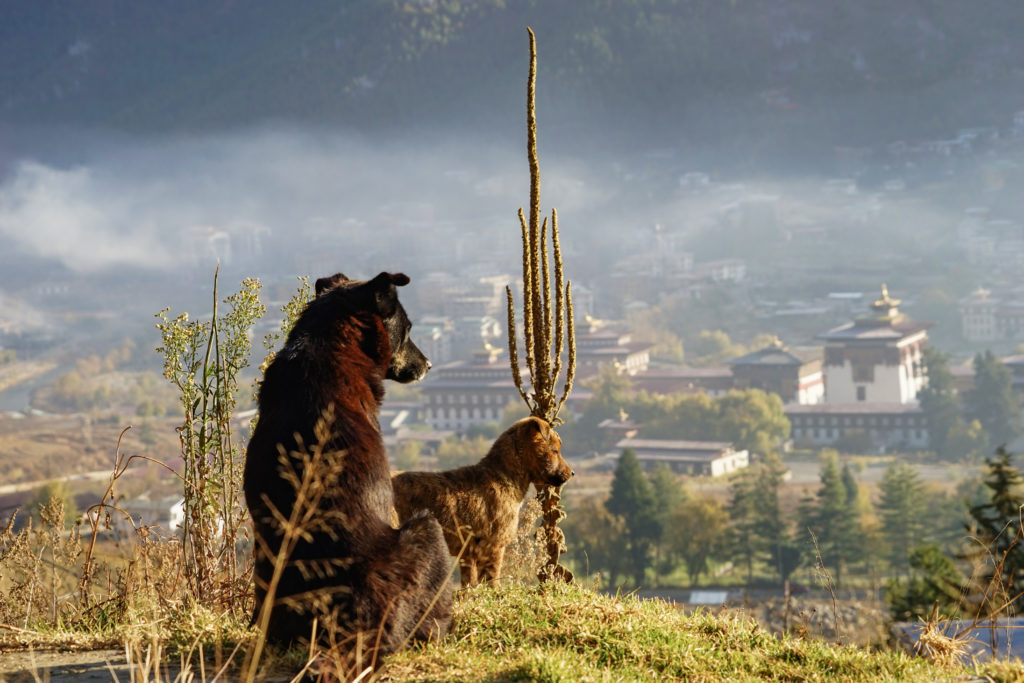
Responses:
[572,473]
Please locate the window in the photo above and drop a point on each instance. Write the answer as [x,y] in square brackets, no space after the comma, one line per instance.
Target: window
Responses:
[861,393]
[863,373]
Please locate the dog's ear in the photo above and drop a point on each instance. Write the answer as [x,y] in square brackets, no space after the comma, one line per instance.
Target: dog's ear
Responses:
[538,425]
[325,283]
[383,288]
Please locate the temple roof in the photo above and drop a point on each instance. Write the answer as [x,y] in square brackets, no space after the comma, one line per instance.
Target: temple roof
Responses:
[863,331]
[776,354]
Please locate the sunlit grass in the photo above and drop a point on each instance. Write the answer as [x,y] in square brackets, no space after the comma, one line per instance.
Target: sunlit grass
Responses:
[569,633]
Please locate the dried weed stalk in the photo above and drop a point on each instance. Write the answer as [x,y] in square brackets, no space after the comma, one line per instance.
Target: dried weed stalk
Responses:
[546,337]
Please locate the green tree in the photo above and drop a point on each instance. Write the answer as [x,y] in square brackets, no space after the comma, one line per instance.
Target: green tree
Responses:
[698,530]
[712,347]
[513,412]
[745,540]
[488,430]
[408,455]
[597,540]
[457,452]
[633,499]
[610,393]
[903,508]
[966,441]
[939,402]
[752,420]
[992,401]
[831,517]
[668,493]
[995,530]
[934,581]
[759,528]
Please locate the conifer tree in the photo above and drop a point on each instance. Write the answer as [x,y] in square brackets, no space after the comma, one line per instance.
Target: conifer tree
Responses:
[745,516]
[668,494]
[829,516]
[996,529]
[633,499]
[902,506]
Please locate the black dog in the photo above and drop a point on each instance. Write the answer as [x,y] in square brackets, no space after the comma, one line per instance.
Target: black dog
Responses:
[352,569]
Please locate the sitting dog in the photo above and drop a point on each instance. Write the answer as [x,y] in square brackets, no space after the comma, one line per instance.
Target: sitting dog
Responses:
[478,505]
[350,570]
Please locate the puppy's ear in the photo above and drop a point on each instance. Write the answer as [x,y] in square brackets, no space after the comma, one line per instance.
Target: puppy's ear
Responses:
[325,283]
[385,296]
[536,424]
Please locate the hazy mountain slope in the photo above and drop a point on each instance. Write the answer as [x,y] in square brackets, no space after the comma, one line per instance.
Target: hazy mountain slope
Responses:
[370,63]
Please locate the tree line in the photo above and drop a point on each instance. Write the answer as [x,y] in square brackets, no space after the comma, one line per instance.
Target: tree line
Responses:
[651,529]
[968,425]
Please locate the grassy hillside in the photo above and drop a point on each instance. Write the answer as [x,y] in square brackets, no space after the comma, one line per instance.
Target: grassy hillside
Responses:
[569,633]
[552,633]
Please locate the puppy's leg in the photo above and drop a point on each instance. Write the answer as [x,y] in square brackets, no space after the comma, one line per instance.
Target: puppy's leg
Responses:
[490,566]
[468,571]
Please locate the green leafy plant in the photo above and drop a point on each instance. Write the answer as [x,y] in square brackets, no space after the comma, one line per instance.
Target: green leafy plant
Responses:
[204,359]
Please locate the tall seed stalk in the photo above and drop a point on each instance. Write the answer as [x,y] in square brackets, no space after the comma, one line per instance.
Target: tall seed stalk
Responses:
[545,338]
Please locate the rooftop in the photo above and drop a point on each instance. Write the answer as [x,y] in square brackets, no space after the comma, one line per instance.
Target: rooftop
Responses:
[853,409]
[675,445]
[776,354]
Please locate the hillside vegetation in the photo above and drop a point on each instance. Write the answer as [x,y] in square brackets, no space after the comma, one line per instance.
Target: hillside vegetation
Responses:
[385,62]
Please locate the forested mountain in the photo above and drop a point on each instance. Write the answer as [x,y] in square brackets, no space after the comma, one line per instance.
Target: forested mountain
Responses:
[807,68]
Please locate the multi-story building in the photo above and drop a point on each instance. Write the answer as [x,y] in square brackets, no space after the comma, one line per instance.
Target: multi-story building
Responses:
[598,347]
[877,358]
[774,369]
[984,317]
[887,425]
[465,393]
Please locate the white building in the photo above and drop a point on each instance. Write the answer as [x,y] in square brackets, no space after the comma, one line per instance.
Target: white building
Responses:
[875,359]
[165,516]
[698,458]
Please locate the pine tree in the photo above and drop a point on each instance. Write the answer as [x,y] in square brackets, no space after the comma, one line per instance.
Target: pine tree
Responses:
[744,514]
[633,499]
[758,527]
[903,507]
[668,493]
[829,516]
[995,525]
